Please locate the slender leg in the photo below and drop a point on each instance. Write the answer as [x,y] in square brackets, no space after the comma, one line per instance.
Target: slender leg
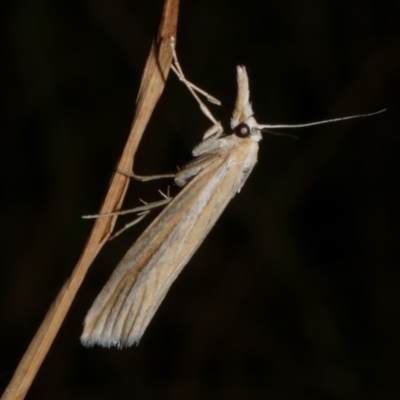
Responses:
[145,178]
[126,226]
[193,89]
[141,210]
[145,208]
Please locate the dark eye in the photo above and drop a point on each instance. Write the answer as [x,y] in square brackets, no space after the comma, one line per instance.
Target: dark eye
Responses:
[242,130]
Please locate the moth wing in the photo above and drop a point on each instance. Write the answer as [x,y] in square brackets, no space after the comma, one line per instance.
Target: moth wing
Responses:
[127,303]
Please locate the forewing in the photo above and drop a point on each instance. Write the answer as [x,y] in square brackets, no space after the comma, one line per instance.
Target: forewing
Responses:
[125,306]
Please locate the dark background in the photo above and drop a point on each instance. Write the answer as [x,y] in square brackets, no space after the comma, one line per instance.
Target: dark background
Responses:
[295,293]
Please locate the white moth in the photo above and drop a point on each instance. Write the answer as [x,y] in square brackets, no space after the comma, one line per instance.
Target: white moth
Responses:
[222,164]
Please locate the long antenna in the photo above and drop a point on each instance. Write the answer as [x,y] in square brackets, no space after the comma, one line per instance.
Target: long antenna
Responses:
[326,121]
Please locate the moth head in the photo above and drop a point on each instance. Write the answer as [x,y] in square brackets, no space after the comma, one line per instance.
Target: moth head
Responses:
[243,123]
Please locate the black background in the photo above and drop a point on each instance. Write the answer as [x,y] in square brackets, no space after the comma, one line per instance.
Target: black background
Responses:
[295,293]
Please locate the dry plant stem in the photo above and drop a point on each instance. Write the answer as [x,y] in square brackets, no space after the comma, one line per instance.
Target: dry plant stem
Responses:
[152,85]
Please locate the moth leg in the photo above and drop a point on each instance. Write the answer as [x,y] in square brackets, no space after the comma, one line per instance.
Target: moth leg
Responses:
[145,208]
[145,178]
[193,89]
[141,210]
[128,225]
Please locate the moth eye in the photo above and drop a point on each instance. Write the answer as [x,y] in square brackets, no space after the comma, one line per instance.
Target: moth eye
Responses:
[242,130]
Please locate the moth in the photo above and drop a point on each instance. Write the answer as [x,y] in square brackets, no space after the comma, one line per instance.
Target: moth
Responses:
[221,165]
